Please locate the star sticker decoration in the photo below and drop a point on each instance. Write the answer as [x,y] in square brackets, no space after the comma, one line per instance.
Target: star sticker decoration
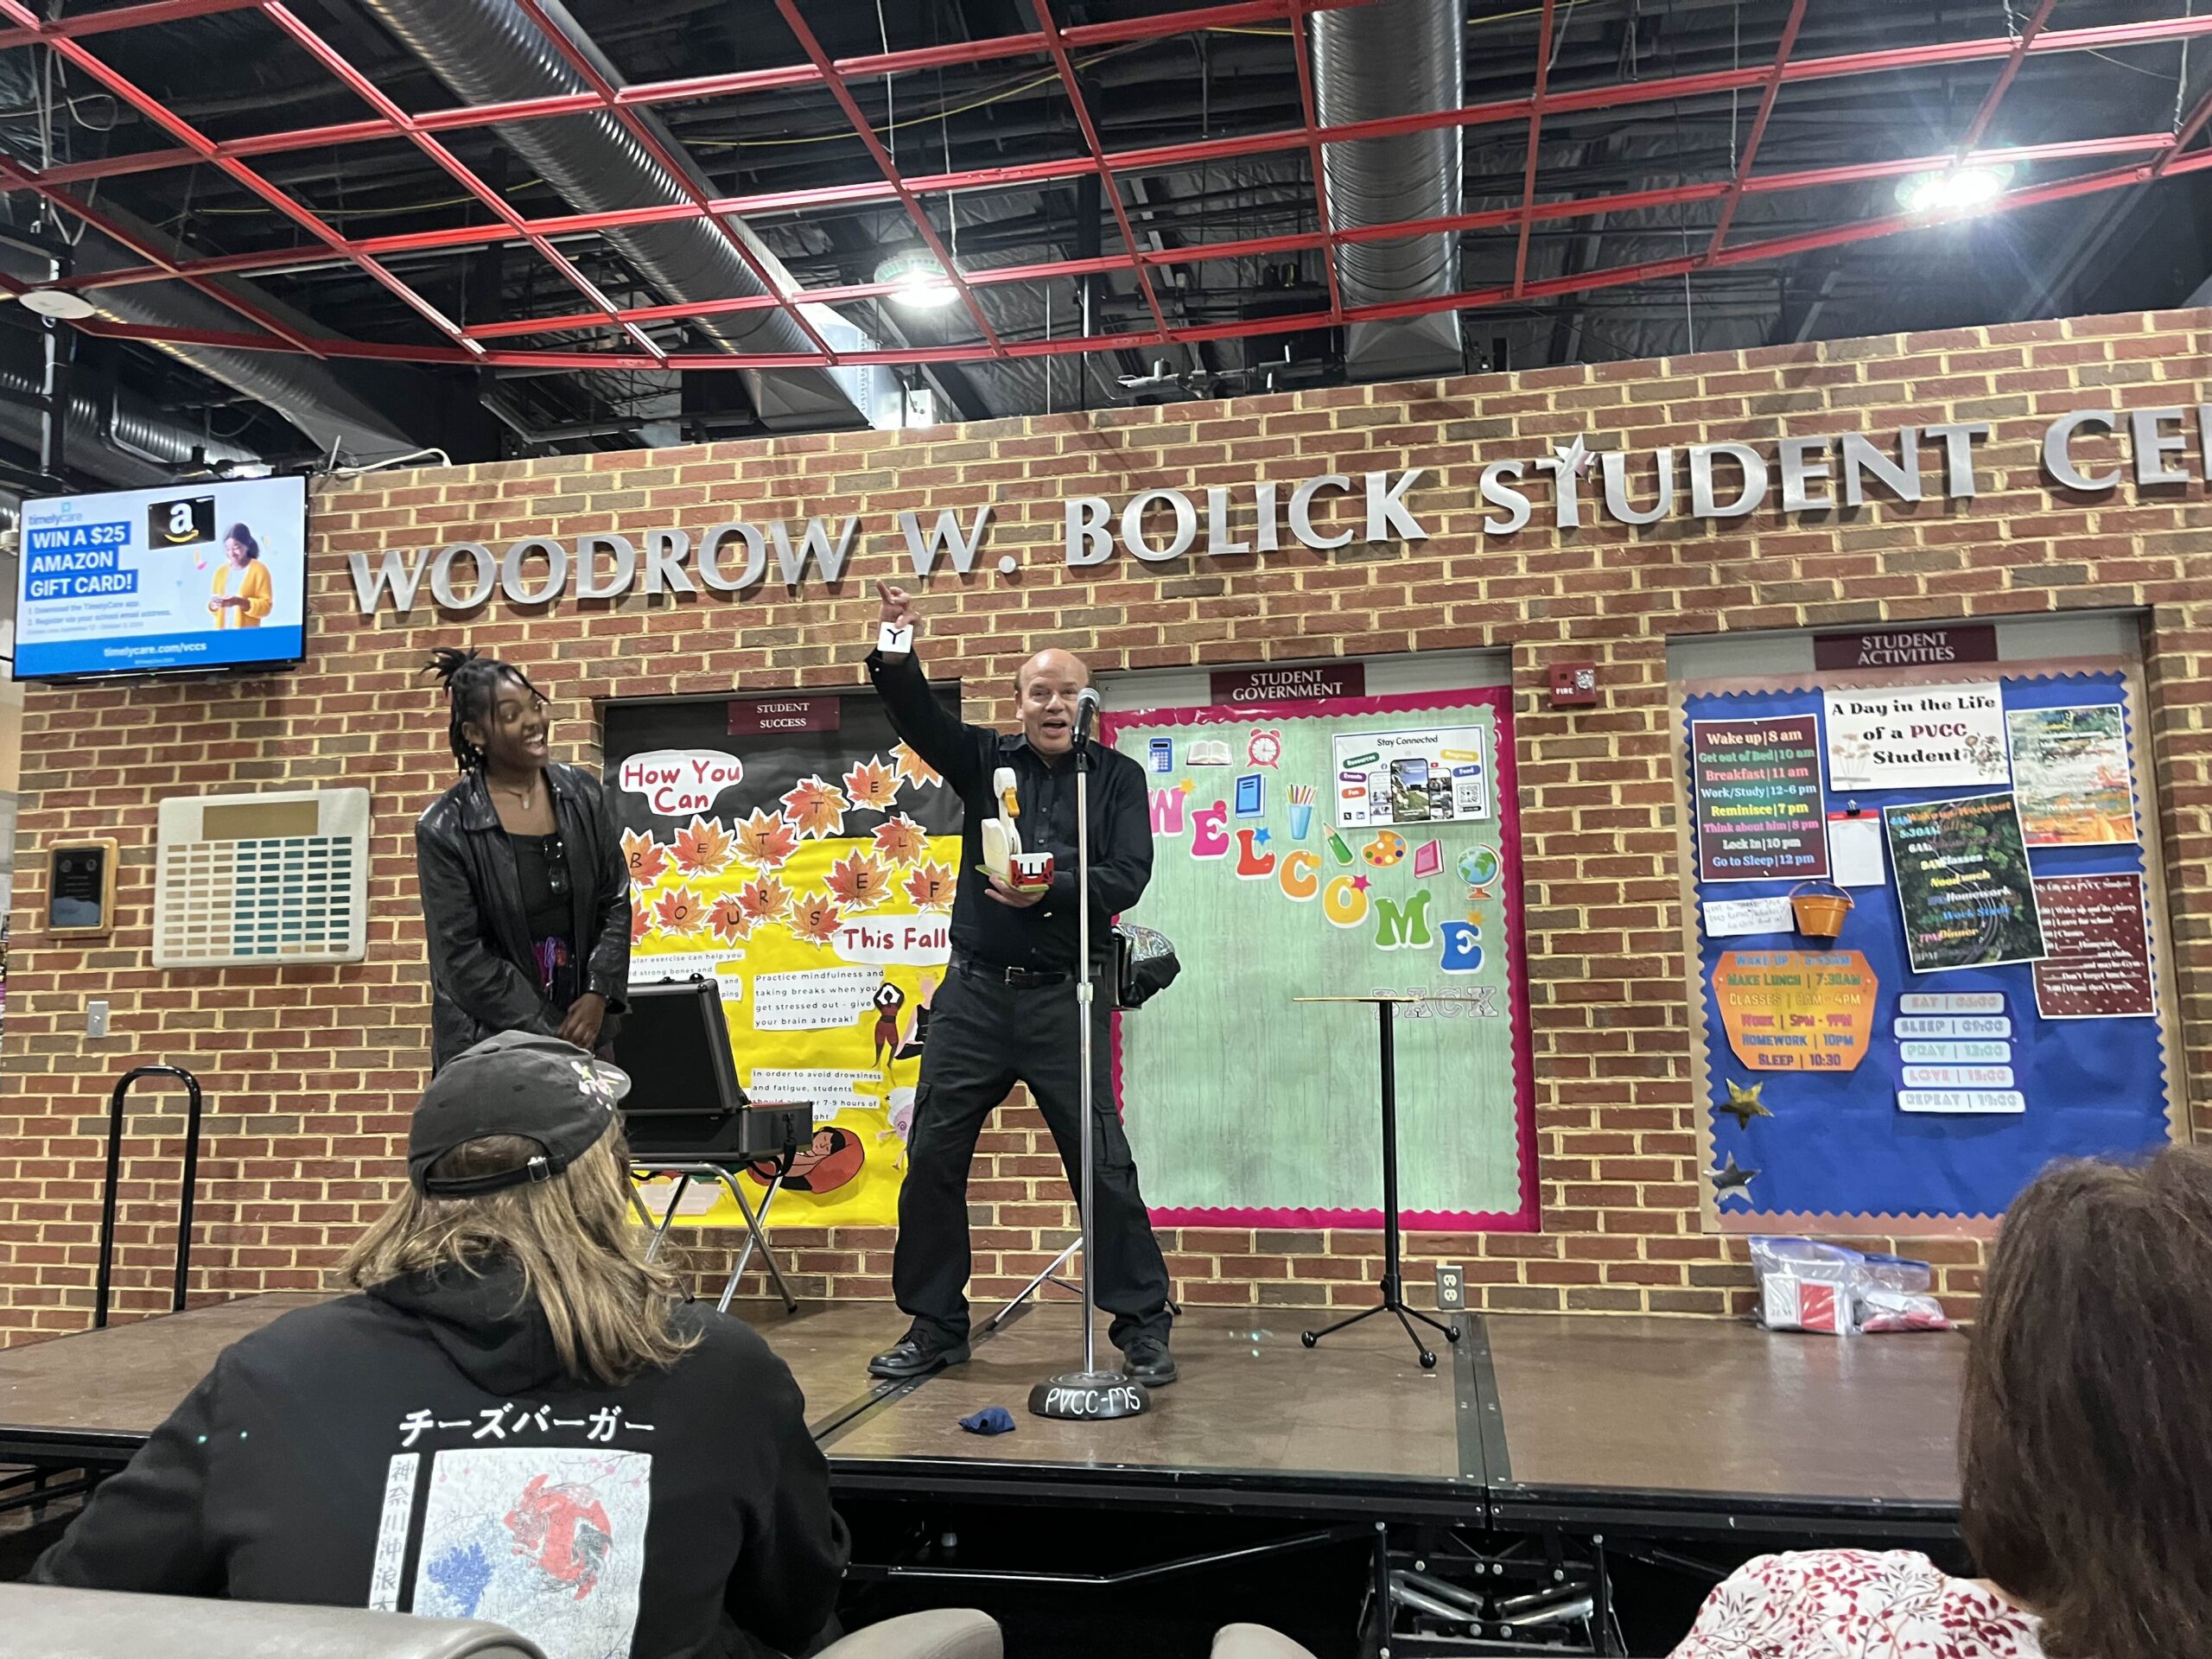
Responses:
[1260,836]
[1733,1177]
[1361,884]
[1574,457]
[1744,1104]
[1185,785]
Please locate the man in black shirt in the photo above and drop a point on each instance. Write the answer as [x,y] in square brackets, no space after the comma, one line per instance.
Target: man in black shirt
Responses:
[1008,1014]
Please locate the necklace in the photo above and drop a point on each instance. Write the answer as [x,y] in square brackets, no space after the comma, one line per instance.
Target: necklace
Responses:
[527,798]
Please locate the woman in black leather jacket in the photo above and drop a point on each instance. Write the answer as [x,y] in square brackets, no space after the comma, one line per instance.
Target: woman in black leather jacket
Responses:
[525,894]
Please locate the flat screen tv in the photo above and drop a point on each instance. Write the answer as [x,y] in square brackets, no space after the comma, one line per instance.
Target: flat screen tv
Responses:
[138,582]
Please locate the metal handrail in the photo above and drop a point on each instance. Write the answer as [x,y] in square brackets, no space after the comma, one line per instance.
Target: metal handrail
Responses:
[114,1171]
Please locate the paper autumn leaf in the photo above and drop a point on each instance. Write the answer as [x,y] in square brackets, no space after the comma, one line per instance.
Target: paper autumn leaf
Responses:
[815,917]
[704,849]
[872,783]
[646,857]
[859,882]
[900,841]
[913,769]
[641,924]
[816,808]
[678,912]
[930,886]
[729,918]
[763,899]
[767,838]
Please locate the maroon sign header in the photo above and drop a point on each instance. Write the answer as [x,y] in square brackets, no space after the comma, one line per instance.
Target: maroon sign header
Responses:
[1235,685]
[783,714]
[1972,642]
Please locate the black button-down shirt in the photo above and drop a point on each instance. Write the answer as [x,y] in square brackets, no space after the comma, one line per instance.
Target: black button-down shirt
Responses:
[1042,935]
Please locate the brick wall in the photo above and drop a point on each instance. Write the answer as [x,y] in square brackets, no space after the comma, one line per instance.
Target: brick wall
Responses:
[310,1072]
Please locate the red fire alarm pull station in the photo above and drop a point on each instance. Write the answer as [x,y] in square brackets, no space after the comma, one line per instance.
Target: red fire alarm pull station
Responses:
[1574,685]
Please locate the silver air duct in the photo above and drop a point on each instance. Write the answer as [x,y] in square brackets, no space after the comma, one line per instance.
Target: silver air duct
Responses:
[1398,57]
[306,391]
[490,52]
[120,440]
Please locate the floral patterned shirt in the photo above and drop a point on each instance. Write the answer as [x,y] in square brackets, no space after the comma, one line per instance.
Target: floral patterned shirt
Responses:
[1851,1603]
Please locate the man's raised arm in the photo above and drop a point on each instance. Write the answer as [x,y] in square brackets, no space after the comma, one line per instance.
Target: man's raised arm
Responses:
[916,715]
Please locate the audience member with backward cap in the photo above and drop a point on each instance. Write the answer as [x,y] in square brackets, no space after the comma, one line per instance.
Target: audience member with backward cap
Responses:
[2085,1453]
[525,895]
[518,1418]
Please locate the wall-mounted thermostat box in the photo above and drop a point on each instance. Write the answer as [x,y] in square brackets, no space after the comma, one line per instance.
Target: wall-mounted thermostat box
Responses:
[80,887]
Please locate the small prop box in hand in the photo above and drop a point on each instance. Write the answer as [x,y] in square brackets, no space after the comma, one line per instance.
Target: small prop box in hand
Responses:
[1002,853]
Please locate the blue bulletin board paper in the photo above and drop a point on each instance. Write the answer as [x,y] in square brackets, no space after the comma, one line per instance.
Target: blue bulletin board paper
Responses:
[1838,1152]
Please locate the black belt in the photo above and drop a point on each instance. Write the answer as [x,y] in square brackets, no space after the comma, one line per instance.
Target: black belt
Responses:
[1020,978]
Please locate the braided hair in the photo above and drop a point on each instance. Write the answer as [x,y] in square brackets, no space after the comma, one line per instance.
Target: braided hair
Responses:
[471,686]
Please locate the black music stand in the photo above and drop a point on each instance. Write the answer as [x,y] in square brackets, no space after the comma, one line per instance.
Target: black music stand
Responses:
[1393,1299]
[686,1115]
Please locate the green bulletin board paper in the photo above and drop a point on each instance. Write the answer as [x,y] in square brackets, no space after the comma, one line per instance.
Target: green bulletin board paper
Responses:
[1245,1108]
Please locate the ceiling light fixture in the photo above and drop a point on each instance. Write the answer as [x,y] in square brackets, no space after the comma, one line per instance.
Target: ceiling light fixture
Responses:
[918,282]
[58,302]
[1953,189]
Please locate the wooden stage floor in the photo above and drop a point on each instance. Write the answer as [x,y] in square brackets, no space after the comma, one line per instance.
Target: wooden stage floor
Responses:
[1529,1420]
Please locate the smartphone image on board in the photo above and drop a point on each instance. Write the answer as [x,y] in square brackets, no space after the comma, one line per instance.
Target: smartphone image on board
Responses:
[1409,790]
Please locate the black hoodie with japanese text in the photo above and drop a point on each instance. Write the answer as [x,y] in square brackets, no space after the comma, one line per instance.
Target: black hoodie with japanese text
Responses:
[419,1447]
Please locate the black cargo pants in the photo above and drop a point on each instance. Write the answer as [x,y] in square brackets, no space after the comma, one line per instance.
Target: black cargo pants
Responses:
[985,1036]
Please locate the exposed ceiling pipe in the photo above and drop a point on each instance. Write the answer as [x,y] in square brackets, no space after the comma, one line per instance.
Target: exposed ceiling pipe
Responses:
[312,395]
[119,439]
[1399,57]
[490,52]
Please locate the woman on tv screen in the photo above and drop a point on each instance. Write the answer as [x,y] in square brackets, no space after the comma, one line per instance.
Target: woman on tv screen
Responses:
[245,608]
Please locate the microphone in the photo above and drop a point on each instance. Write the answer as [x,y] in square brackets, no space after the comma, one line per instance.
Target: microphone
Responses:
[1086,711]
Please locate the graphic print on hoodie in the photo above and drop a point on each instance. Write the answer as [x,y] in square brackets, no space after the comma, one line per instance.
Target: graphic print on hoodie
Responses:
[551,1543]
[419,1448]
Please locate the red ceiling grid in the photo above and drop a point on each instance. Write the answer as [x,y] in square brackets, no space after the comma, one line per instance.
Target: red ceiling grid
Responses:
[2144,157]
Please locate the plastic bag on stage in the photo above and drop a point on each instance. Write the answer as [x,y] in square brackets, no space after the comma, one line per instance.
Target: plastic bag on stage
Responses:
[1880,1311]
[1145,964]
[1805,1285]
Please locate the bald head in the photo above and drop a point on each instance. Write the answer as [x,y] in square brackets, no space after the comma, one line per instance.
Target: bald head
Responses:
[1046,689]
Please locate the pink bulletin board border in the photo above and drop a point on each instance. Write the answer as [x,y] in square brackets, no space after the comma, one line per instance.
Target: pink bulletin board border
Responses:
[1506,793]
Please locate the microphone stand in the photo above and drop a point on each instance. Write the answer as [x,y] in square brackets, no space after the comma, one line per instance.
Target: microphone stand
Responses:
[1089,1393]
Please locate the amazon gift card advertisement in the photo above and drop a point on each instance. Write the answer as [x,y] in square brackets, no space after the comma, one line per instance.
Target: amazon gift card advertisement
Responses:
[192,575]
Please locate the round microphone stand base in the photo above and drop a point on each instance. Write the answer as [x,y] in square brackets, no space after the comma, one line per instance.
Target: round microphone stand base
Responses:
[1089,1397]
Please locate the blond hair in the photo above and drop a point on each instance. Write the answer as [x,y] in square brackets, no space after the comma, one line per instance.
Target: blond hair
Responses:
[610,1309]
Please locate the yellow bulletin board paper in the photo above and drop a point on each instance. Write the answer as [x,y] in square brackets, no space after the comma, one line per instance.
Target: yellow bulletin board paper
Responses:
[811,874]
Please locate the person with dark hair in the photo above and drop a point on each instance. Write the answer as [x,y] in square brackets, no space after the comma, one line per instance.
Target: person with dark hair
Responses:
[525,895]
[515,1417]
[252,603]
[2085,1452]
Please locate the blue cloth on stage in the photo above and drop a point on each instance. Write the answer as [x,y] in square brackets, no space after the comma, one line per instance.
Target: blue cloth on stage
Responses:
[992,1419]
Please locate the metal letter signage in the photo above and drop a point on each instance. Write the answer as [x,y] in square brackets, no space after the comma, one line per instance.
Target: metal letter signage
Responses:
[2083,451]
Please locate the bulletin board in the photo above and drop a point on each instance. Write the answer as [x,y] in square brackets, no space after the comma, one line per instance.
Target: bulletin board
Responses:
[1245,1108]
[793,850]
[1998,993]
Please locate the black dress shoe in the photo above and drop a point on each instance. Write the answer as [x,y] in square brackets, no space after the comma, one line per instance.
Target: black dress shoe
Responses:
[1146,1360]
[917,1355]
